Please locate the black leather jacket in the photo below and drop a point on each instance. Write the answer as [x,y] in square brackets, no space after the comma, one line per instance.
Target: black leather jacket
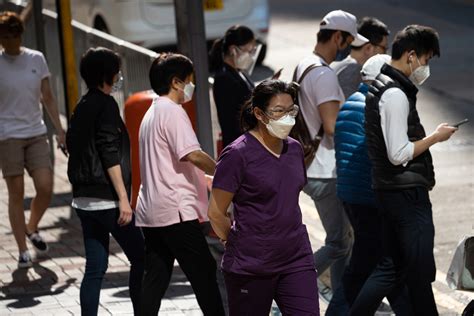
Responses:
[97,139]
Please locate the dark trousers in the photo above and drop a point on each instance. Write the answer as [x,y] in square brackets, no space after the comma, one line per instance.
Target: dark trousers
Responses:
[96,227]
[186,243]
[295,293]
[366,222]
[408,241]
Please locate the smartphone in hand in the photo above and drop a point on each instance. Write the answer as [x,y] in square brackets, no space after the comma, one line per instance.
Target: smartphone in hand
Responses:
[460,123]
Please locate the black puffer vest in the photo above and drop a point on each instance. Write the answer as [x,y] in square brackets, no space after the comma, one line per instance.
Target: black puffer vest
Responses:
[385,175]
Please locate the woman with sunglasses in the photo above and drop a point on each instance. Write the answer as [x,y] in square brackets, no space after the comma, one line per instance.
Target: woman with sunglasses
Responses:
[267,254]
[232,59]
[100,173]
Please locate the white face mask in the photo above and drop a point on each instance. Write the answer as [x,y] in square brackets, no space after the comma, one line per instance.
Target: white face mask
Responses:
[188,91]
[246,61]
[420,74]
[281,128]
[118,84]
[243,61]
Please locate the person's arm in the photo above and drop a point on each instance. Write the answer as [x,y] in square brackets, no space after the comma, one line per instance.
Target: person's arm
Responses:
[202,161]
[328,112]
[125,209]
[442,133]
[107,142]
[51,106]
[217,212]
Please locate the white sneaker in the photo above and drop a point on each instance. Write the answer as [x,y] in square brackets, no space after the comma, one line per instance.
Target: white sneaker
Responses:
[24,261]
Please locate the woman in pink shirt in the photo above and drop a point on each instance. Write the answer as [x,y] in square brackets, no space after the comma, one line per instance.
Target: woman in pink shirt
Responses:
[173,197]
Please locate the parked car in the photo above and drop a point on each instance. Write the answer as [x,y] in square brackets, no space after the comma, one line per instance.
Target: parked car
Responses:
[151,23]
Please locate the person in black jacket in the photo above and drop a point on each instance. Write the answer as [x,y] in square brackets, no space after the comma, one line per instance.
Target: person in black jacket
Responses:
[100,173]
[232,57]
[403,174]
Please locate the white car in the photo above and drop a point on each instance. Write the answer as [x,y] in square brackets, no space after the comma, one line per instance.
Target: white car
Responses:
[151,23]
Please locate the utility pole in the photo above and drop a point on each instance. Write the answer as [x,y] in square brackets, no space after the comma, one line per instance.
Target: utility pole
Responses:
[66,43]
[192,43]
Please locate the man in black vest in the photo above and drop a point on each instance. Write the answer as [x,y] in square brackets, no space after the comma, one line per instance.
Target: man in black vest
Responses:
[402,174]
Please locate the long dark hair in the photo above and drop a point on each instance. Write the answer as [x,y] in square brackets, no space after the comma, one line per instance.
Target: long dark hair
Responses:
[261,96]
[236,35]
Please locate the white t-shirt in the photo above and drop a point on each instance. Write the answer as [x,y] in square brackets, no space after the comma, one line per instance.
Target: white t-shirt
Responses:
[319,86]
[20,93]
[93,204]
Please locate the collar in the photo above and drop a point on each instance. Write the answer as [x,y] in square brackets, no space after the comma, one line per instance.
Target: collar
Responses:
[400,77]
[363,88]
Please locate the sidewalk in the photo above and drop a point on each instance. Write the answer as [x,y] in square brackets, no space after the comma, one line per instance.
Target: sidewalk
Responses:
[51,287]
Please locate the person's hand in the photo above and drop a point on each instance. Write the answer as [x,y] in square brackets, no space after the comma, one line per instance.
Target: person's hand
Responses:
[444,132]
[61,140]
[125,213]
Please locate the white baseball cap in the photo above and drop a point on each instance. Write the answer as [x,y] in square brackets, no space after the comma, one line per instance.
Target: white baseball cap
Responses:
[343,21]
[373,65]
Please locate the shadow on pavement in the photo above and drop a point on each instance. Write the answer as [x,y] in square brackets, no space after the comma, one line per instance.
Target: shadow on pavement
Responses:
[58,200]
[26,291]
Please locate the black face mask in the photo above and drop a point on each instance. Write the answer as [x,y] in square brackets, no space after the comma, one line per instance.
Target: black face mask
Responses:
[343,53]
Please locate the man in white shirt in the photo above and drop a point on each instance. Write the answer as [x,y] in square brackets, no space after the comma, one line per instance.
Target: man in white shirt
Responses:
[402,174]
[320,98]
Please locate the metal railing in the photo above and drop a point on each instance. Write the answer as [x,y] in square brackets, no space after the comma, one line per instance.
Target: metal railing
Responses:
[136,60]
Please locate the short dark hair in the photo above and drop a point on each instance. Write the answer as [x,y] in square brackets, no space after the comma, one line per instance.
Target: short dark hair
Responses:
[166,67]
[11,23]
[98,66]
[422,39]
[261,97]
[325,35]
[373,29]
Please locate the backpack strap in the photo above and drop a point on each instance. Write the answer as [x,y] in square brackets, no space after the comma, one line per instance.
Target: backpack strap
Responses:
[320,133]
[305,72]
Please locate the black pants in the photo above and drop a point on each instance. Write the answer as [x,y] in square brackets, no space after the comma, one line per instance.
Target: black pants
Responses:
[96,227]
[366,222]
[186,243]
[408,241]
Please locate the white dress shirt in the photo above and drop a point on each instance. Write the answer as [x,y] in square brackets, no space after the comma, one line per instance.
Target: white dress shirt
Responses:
[394,109]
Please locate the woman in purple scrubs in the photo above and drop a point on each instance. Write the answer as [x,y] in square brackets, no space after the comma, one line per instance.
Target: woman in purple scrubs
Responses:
[268,255]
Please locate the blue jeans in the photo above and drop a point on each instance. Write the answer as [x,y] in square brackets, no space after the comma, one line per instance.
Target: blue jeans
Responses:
[96,227]
[337,247]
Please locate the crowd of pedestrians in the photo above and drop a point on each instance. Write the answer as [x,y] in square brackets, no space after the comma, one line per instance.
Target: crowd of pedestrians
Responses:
[369,178]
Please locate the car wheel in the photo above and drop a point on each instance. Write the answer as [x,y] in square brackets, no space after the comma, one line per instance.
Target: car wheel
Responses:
[100,25]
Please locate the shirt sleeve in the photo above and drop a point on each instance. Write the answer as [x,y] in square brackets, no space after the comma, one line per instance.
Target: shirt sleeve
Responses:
[229,168]
[323,86]
[107,138]
[43,67]
[394,109]
[180,134]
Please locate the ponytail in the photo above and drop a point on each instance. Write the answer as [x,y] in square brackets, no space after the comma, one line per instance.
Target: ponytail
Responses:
[248,120]
[216,55]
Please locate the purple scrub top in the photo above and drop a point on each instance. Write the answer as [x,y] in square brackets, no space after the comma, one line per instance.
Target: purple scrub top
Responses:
[267,236]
